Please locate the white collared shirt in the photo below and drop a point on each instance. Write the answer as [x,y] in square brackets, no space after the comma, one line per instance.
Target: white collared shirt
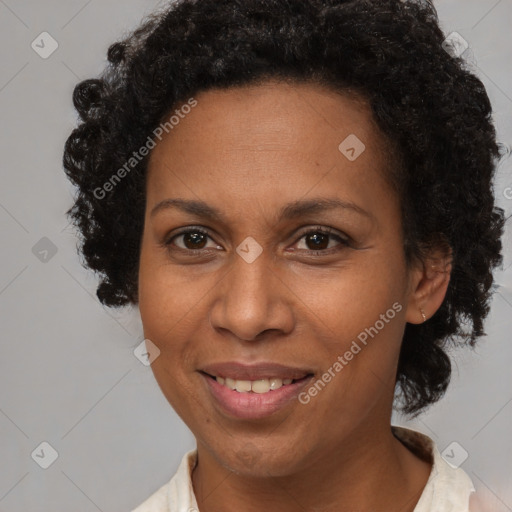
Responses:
[447,490]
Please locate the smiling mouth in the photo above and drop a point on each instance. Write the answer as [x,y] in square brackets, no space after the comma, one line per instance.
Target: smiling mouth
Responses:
[255,386]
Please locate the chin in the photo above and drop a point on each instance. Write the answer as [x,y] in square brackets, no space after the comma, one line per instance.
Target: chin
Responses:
[259,462]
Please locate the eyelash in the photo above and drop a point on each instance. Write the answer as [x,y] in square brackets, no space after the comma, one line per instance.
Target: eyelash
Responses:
[323,230]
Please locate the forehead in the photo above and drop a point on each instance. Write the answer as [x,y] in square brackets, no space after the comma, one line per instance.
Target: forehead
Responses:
[289,112]
[265,138]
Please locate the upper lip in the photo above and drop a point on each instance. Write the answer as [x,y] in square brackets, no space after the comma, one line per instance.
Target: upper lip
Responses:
[254,371]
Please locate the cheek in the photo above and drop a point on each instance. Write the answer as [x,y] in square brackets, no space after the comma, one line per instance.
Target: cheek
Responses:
[360,371]
[359,317]
[166,296]
[350,298]
[165,303]
[170,306]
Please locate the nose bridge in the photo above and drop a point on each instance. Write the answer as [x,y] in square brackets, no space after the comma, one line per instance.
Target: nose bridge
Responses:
[250,272]
[249,279]
[249,301]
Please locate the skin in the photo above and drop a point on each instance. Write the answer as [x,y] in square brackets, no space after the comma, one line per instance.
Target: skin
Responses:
[249,151]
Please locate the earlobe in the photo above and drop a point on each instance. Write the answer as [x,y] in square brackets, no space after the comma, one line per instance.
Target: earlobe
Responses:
[430,290]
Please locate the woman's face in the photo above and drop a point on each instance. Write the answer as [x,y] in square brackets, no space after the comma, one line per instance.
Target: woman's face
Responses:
[256,290]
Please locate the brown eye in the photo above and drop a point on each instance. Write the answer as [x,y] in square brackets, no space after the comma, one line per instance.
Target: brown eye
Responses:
[192,239]
[318,240]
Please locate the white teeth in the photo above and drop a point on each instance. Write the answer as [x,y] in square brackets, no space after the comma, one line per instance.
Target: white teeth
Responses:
[256,386]
[243,385]
[275,383]
[261,386]
[230,383]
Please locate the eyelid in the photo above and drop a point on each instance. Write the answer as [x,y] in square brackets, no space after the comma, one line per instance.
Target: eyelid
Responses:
[183,231]
[325,230]
[344,239]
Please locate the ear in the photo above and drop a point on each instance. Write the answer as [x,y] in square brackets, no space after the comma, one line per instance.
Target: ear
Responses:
[428,284]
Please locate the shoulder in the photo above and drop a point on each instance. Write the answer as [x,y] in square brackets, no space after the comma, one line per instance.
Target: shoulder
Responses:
[177,494]
[448,488]
[157,502]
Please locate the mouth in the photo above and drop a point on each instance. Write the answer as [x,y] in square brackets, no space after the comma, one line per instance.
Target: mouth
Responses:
[259,386]
[253,391]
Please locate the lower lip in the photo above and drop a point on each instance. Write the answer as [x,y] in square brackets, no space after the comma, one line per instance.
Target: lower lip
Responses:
[254,405]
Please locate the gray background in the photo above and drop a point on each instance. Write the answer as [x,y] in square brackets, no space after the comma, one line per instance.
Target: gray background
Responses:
[68,375]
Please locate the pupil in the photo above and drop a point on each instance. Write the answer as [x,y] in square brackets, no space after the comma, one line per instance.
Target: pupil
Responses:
[318,243]
[195,238]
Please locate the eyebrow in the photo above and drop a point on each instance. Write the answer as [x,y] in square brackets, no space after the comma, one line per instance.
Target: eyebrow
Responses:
[290,211]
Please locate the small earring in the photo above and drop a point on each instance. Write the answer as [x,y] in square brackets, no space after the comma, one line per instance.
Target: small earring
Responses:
[423,315]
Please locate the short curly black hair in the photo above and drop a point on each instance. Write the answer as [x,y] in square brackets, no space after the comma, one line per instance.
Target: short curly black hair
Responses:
[424,99]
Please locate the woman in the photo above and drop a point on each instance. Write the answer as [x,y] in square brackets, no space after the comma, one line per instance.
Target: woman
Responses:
[298,197]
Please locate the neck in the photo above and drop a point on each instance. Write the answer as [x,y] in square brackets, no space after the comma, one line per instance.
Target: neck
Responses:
[368,472]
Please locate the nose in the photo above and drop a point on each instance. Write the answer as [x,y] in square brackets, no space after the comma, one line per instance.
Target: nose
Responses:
[251,299]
